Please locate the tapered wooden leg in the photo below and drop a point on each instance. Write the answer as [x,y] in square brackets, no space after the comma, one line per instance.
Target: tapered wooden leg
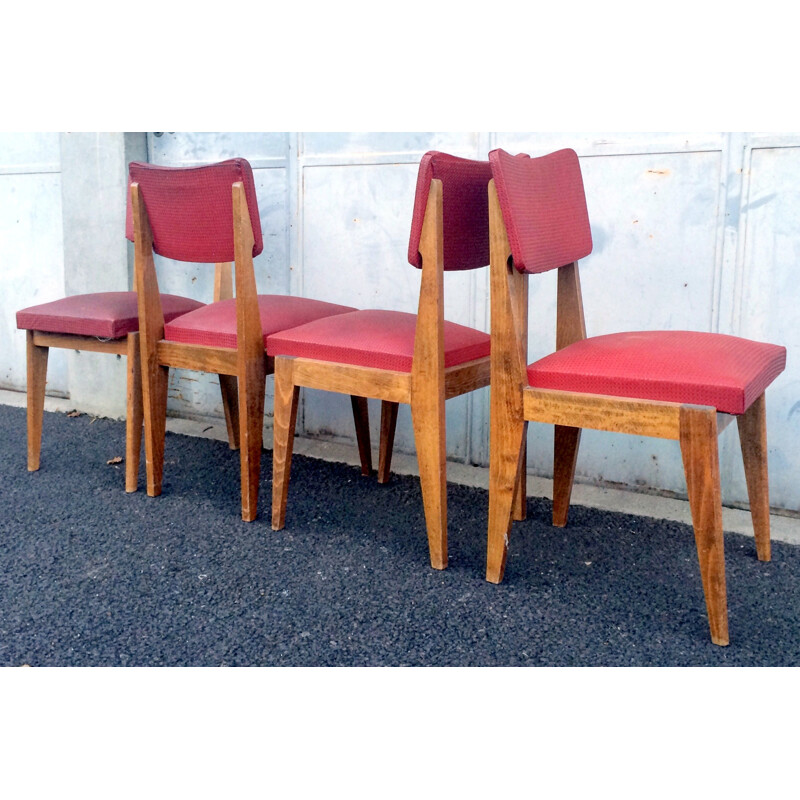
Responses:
[698,439]
[388,426]
[427,414]
[520,510]
[134,415]
[37,380]
[565,456]
[155,380]
[361,421]
[283,424]
[228,386]
[753,438]
[252,389]
[506,448]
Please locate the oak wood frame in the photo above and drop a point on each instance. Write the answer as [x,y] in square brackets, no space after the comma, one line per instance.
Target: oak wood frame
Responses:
[514,403]
[425,388]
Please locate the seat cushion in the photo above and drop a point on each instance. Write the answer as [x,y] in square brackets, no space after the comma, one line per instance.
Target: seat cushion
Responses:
[707,369]
[374,338]
[105,315]
[214,325]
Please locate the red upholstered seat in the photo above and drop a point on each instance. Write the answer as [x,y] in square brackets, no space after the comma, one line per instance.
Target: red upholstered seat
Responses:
[106,315]
[374,338]
[707,369]
[214,325]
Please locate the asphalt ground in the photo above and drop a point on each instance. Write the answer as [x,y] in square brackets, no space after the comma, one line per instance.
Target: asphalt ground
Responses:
[92,576]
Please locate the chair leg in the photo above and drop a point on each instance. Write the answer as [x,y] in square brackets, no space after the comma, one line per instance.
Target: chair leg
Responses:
[155,381]
[283,425]
[506,453]
[520,509]
[427,414]
[37,380]
[753,438]
[134,415]
[388,426]
[361,421]
[228,386]
[252,388]
[565,456]
[698,439]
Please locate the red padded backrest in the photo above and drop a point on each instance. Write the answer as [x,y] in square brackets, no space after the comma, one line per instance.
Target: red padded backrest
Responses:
[191,208]
[465,209]
[544,208]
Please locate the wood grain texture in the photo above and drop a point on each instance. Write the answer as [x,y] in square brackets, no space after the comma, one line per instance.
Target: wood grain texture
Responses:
[698,439]
[283,425]
[753,439]
[134,415]
[36,369]
[349,379]
[600,412]
[507,426]
[566,442]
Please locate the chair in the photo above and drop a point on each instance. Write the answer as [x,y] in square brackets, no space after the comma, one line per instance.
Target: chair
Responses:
[209,214]
[104,322]
[679,385]
[399,357]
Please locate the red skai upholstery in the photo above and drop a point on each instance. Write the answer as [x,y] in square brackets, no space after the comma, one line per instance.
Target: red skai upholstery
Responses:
[465,210]
[706,369]
[385,339]
[374,338]
[214,325]
[544,208]
[105,315]
[190,209]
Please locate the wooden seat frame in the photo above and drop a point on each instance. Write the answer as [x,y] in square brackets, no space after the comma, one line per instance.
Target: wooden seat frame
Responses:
[514,403]
[242,371]
[425,389]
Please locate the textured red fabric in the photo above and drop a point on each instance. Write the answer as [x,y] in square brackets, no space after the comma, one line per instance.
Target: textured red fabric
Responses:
[706,369]
[465,209]
[214,325]
[191,208]
[374,338]
[106,315]
[544,208]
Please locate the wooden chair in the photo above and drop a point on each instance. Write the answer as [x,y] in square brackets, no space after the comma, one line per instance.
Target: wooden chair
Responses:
[400,357]
[103,322]
[209,214]
[679,385]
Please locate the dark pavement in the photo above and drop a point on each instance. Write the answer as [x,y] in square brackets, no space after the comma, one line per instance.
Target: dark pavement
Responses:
[92,576]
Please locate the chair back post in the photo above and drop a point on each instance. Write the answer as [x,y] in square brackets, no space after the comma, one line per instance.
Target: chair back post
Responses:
[223,281]
[570,322]
[428,361]
[248,324]
[509,307]
[151,316]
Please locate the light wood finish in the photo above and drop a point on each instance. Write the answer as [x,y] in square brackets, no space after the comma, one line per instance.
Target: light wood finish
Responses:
[600,412]
[134,415]
[514,403]
[753,439]
[698,440]
[36,380]
[283,425]
[425,388]
[223,290]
